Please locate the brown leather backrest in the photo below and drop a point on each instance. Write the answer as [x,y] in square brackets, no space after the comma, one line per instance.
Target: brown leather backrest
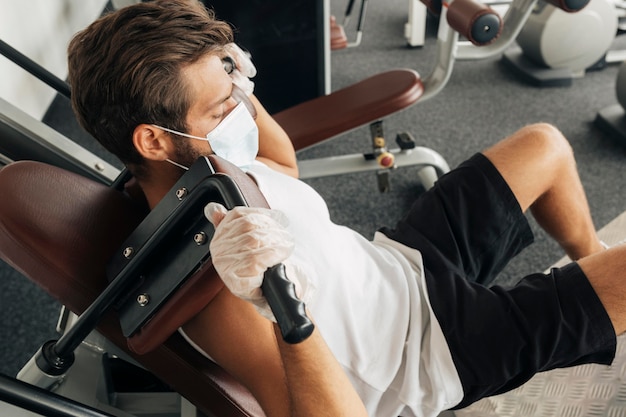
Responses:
[59,229]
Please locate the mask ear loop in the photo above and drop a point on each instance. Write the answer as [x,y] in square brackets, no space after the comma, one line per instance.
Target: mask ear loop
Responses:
[177,164]
[175,132]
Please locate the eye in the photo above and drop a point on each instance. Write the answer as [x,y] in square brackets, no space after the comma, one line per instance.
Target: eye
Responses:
[229,64]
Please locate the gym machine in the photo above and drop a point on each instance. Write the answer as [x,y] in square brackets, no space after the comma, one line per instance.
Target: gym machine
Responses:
[87,379]
[612,119]
[557,45]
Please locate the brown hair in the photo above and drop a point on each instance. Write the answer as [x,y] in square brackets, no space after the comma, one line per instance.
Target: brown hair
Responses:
[124,69]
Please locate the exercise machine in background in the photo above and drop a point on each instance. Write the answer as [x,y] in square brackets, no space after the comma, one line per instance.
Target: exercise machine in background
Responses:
[556,46]
[338,37]
[612,119]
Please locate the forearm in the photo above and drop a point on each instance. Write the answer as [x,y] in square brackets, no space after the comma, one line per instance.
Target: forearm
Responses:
[316,382]
[247,241]
[275,147]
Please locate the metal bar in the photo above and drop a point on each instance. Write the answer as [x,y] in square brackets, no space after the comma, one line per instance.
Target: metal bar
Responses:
[45,403]
[35,69]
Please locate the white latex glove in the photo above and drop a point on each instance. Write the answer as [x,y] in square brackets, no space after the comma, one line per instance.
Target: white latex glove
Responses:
[245,68]
[247,241]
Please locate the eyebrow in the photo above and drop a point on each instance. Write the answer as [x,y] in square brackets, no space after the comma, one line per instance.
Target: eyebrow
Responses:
[223,100]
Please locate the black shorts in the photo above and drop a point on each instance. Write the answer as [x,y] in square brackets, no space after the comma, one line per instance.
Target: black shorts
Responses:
[467,228]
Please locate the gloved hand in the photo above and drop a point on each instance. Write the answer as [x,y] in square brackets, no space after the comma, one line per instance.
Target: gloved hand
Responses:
[245,68]
[247,241]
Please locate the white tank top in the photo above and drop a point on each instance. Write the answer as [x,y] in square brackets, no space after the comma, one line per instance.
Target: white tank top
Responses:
[370,306]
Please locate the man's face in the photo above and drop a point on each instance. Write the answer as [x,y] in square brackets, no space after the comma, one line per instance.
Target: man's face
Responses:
[211,88]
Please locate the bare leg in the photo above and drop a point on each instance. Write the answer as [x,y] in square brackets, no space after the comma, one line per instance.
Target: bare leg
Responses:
[606,271]
[538,164]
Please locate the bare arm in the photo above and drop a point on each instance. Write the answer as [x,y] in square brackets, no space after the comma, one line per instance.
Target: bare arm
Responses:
[242,342]
[275,148]
[287,380]
[317,384]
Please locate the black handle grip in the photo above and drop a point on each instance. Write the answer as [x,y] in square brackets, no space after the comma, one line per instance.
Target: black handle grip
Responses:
[289,311]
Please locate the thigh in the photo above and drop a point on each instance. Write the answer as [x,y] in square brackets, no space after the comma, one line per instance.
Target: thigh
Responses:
[499,338]
[469,222]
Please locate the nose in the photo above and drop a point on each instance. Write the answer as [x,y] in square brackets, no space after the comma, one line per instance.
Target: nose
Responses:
[230,104]
[240,96]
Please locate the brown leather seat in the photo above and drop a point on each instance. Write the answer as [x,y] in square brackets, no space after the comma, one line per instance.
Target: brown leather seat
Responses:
[60,229]
[361,103]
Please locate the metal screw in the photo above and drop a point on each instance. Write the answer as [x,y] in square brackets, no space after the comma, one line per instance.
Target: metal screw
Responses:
[181,193]
[143,299]
[128,252]
[200,238]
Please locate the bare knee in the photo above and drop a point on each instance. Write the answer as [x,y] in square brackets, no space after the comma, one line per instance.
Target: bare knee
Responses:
[546,141]
[532,160]
[538,148]
[539,140]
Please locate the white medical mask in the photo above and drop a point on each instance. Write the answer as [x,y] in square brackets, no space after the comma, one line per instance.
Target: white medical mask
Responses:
[235,138]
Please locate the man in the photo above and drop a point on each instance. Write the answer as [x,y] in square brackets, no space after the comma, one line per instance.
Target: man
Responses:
[405,324]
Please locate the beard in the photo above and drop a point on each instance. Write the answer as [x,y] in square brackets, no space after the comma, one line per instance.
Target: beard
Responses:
[185,154]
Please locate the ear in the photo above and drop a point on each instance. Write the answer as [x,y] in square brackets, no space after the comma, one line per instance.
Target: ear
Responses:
[152,143]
